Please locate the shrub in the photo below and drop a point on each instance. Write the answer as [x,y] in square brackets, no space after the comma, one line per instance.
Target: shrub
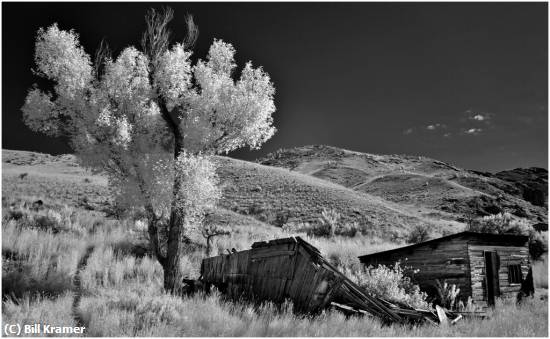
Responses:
[15,214]
[419,233]
[348,229]
[391,283]
[538,246]
[46,222]
[328,223]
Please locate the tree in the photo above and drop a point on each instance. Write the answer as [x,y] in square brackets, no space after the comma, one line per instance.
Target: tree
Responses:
[209,232]
[150,119]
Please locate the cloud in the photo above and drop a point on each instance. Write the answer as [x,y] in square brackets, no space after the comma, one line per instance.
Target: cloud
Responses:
[478,117]
[467,123]
[433,127]
[473,131]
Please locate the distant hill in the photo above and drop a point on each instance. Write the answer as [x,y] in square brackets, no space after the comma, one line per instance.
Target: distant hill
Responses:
[424,183]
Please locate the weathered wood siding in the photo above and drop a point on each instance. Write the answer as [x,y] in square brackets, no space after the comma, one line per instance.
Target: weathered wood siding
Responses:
[509,254]
[446,260]
[460,260]
[274,272]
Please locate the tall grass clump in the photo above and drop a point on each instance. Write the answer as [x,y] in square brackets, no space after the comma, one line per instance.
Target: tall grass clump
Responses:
[106,269]
[38,309]
[38,261]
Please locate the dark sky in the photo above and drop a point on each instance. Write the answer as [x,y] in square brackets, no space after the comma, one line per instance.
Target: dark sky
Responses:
[465,83]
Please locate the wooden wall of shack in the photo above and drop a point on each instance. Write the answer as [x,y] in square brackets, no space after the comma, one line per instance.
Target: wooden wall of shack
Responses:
[446,260]
[460,261]
[510,252]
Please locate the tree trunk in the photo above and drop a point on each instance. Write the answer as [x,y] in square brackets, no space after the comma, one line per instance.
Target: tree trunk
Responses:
[176,238]
[176,243]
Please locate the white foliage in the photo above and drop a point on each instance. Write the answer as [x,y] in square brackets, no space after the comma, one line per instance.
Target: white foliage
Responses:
[199,185]
[118,123]
[173,75]
[126,81]
[221,58]
[228,114]
[198,190]
[59,56]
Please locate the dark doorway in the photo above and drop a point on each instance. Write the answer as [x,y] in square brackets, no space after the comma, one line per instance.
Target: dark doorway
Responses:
[492,264]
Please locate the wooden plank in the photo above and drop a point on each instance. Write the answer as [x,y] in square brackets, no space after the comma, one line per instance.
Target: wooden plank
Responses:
[301,290]
[300,271]
[311,287]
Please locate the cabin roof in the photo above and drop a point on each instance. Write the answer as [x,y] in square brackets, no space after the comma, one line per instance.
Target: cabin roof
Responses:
[481,236]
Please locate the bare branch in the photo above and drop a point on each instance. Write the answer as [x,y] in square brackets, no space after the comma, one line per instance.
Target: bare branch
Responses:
[102,54]
[192,32]
[156,38]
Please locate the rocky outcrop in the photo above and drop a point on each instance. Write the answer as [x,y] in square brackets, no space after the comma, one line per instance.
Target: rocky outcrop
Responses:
[532,183]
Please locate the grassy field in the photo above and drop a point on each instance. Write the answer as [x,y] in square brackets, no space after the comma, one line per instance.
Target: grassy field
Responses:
[121,291]
[66,263]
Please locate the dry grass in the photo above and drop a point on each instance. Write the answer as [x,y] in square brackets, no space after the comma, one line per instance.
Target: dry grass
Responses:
[122,295]
[137,312]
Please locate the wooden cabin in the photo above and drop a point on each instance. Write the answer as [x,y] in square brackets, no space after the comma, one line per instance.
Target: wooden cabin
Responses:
[293,269]
[484,266]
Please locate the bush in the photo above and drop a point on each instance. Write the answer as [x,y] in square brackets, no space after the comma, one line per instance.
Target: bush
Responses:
[15,214]
[46,222]
[391,283]
[328,223]
[348,229]
[538,246]
[419,233]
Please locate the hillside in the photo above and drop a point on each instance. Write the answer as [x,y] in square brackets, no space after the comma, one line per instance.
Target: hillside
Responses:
[432,186]
[253,194]
[59,181]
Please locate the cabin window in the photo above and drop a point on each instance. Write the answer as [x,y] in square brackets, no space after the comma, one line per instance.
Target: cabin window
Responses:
[514,274]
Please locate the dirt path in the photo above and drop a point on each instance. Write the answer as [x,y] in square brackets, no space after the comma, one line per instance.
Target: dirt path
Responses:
[77,287]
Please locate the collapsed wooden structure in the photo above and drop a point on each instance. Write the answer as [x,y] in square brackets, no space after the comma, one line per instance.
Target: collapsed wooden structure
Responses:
[293,269]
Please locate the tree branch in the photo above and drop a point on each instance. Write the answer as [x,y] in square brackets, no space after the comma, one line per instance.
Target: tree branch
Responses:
[156,38]
[192,32]
[102,53]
